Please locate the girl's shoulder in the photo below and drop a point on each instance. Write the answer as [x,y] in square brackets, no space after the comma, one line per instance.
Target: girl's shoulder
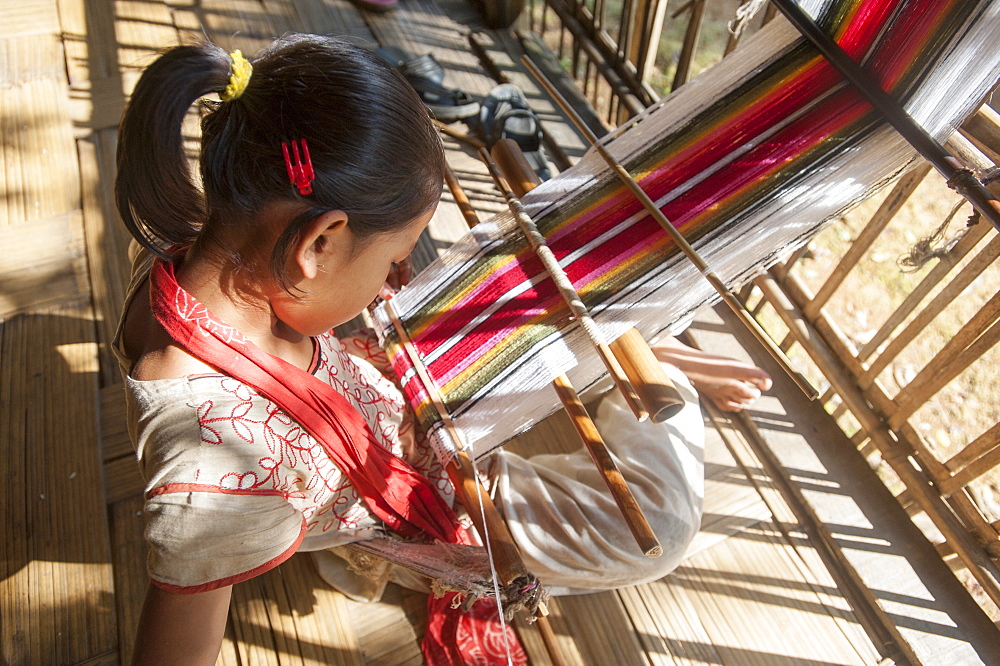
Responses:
[145,351]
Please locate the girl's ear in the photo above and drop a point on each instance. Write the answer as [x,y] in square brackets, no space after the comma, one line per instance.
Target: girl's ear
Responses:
[320,243]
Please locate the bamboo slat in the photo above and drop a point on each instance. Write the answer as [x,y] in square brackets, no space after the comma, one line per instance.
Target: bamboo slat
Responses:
[895,453]
[964,348]
[128,550]
[122,479]
[890,206]
[562,632]
[288,615]
[88,30]
[749,593]
[690,45]
[602,629]
[115,441]
[330,17]
[975,449]
[37,154]
[389,632]
[142,29]
[239,24]
[29,17]
[56,586]
[45,263]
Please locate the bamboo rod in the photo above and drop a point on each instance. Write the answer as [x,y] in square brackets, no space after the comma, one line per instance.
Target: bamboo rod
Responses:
[477,502]
[975,449]
[970,473]
[893,112]
[691,35]
[549,641]
[971,342]
[890,206]
[608,468]
[460,136]
[720,288]
[566,289]
[657,392]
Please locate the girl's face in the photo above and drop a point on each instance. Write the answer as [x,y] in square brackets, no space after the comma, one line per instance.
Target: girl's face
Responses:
[348,279]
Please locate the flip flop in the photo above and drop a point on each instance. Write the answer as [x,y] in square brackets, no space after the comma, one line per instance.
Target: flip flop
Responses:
[426,75]
[505,114]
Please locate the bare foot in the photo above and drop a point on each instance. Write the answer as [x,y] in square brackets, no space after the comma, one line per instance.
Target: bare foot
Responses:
[731,385]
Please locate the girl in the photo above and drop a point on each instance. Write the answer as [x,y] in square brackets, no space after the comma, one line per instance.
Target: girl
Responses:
[258,432]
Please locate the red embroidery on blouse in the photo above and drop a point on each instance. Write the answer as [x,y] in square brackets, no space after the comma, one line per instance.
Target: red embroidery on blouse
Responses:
[291,462]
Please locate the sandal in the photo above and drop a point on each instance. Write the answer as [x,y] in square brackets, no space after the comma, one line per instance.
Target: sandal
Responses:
[376,5]
[426,75]
[505,114]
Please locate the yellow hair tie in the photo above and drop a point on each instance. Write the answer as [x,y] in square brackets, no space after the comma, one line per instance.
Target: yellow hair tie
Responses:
[238,78]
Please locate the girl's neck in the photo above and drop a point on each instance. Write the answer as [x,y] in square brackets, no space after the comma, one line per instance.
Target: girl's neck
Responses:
[235,297]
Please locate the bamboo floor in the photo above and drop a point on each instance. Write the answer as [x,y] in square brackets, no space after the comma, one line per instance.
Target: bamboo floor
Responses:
[756,588]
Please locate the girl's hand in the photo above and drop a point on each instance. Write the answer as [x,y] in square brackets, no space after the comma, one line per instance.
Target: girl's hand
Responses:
[399,276]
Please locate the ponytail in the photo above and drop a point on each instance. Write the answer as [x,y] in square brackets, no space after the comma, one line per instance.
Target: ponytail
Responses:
[156,198]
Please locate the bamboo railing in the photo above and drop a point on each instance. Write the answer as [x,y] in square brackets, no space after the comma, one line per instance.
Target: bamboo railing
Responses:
[914,384]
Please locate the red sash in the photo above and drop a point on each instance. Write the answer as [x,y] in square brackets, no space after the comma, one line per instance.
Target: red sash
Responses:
[393,490]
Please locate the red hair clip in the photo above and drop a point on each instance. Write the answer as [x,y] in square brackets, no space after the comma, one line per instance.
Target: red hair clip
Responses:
[300,172]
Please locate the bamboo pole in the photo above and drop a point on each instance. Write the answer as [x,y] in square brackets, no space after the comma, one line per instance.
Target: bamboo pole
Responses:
[477,502]
[566,289]
[720,288]
[460,136]
[972,340]
[975,449]
[464,205]
[691,35]
[941,300]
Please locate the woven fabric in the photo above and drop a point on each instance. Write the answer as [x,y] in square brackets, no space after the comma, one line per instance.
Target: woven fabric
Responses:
[748,161]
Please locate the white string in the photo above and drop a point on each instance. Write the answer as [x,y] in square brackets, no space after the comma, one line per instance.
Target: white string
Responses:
[489,554]
[744,14]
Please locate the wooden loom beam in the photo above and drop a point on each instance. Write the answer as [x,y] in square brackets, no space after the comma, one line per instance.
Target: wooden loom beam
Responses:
[676,236]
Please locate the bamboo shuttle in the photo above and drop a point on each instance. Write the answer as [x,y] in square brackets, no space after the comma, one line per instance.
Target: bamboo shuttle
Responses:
[721,289]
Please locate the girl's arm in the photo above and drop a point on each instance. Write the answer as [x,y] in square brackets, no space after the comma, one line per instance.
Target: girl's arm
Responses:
[181,628]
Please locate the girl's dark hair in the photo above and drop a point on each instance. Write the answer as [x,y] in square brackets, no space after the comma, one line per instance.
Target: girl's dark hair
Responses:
[375,152]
